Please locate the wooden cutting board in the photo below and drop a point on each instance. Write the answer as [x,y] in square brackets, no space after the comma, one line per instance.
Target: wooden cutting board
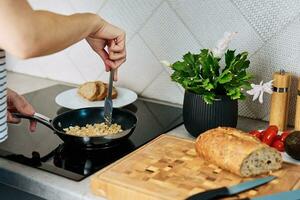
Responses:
[168,168]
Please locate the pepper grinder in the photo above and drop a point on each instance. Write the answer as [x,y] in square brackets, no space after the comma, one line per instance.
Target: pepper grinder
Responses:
[297,116]
[280,99]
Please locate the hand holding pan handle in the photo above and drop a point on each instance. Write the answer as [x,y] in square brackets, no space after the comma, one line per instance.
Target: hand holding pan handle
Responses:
[37,117]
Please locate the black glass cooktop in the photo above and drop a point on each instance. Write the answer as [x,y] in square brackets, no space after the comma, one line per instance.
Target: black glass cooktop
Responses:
[44,150]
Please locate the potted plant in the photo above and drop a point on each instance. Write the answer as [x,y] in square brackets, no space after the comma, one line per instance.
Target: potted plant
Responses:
[211,91]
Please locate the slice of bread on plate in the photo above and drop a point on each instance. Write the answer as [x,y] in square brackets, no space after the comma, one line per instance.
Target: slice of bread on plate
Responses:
[102,91]
[88,90]
[95,91]
[114,93]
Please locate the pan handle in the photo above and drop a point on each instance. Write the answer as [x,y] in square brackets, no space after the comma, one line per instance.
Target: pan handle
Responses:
[37,117]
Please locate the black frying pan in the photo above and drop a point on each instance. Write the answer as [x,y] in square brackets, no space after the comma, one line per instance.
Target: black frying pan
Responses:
[84,116]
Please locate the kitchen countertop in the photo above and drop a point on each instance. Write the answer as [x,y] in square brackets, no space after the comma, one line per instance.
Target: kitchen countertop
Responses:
[50,186]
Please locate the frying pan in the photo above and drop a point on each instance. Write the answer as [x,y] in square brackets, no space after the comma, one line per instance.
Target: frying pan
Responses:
[83,116]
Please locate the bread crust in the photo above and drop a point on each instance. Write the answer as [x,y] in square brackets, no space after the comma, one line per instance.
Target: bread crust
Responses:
[227,147]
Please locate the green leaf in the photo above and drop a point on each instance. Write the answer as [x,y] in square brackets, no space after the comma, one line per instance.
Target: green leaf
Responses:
[179,66]
[229,56]
[237,95]
[242,97]
[234,93]
[209,64]
[209,98]
[207,85]
[189,58]
[244,55]
[225,77]
[183,67]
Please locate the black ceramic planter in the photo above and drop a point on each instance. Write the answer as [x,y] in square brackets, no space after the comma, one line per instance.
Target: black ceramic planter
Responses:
[199,116]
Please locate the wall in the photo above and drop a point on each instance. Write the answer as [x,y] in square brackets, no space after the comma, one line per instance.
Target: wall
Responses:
[165,29]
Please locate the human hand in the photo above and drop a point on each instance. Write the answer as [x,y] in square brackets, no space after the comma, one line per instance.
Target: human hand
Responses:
[17,103]
[109,43]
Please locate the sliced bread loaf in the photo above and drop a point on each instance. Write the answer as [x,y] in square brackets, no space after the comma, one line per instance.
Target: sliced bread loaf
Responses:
[95,91]
[238,152]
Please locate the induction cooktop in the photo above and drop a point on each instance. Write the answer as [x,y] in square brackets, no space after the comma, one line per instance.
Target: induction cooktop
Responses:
[43,150]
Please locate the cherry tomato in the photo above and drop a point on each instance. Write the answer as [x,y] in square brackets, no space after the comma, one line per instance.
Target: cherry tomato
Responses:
[273,127]
[269,136]
[278,137]
[256,134]
[283,136]
[277,144]
[262,133]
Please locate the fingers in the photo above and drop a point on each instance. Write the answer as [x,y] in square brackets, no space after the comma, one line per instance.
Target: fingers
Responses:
[119,62]
[15,120]
[22,105]
[32,126]
[117,56]
[119,43]
[18,103]
[115,65]
[98,45]
[116,60]
[111,64]
[114,39]
[117,50]
[104,56]
[12,119]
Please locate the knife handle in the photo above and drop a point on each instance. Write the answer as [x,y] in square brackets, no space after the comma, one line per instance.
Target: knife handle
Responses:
[210,194]
[110,83]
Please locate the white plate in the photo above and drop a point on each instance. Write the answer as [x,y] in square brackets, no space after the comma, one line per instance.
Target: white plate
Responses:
[289,159]
[70,99]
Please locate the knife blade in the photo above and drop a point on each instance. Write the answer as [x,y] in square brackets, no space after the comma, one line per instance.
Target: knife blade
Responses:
[108,104]
[290,195]
[228,191]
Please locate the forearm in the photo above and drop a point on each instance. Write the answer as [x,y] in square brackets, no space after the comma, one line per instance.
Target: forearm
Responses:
[35,33]
[53,32]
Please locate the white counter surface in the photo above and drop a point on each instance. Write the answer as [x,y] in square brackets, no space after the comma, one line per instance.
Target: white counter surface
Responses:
[50,186]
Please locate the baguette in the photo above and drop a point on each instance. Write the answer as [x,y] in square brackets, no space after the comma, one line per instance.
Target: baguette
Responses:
[237,152]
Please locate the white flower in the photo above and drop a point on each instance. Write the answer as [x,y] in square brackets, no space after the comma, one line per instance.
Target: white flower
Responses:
[222,44]
[258,90]
[165,63]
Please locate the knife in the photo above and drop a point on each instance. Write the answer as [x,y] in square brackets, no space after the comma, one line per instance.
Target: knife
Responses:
[108,104]
[290,195]
[229,191]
